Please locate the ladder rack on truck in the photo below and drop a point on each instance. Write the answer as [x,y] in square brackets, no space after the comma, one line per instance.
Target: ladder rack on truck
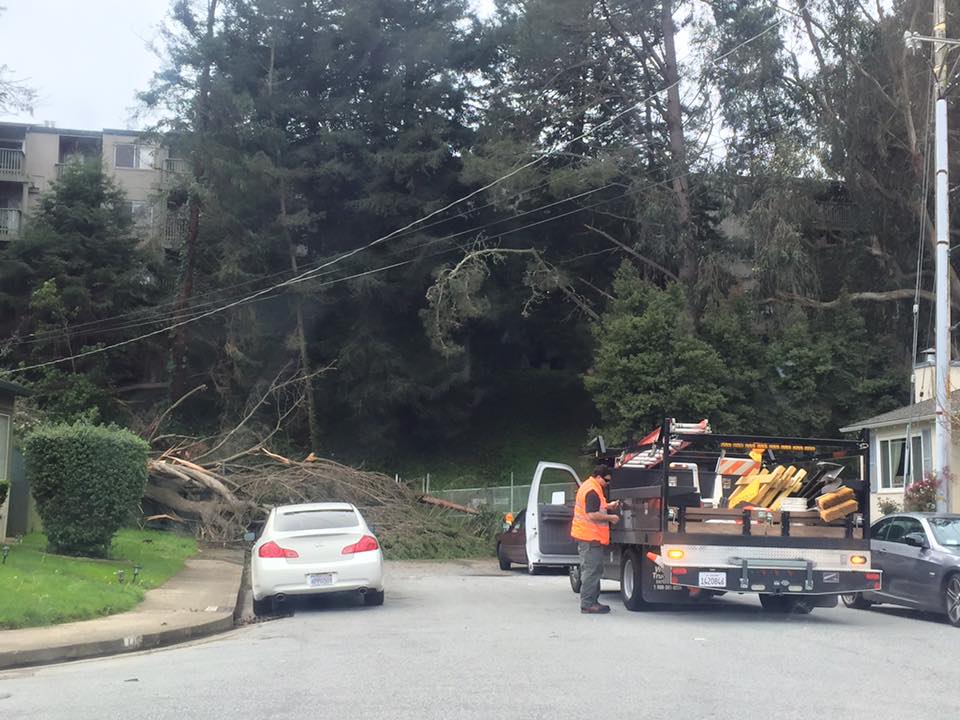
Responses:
[669,548]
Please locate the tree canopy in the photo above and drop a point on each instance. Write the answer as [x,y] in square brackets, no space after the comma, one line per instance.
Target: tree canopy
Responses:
[425,204]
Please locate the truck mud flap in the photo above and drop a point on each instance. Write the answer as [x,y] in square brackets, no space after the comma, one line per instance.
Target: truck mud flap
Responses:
[657,589]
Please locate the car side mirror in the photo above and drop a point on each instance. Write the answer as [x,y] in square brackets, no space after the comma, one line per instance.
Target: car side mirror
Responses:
[249,537]
[916,539]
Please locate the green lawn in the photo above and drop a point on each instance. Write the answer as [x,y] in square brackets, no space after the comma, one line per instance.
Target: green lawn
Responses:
[38,588]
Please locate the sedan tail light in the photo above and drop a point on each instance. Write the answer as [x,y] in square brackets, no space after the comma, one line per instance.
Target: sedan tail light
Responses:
[366,544]
[272,550]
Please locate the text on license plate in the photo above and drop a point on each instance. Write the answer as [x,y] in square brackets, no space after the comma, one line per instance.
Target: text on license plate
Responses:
[319,579]
[712,579]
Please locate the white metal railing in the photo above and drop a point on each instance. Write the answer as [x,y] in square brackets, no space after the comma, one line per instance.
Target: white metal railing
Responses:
[9,222]
[178,166]
[173,230]
[11,161]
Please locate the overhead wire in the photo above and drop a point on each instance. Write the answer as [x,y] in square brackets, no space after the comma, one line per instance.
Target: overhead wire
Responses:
[195,309]
[323,265]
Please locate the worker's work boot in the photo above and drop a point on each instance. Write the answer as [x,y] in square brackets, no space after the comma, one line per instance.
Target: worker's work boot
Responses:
[596,609]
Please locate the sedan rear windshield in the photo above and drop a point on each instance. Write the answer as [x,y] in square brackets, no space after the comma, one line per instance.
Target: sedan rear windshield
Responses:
[316,520]
[947,531]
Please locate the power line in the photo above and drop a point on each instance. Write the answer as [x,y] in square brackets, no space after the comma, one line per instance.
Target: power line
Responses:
[324,264]
[306,274]
[196,309]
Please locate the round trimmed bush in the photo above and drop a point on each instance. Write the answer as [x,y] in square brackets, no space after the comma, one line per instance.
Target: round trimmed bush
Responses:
[86,479]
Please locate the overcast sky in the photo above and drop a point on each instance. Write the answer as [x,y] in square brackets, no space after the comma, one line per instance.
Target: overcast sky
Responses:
[86,59]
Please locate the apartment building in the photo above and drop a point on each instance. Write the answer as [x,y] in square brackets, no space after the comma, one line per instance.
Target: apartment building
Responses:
[32,157]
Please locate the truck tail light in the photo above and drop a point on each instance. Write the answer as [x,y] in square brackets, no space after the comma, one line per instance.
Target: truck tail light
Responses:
[676,554]
[872,576]
[858,560]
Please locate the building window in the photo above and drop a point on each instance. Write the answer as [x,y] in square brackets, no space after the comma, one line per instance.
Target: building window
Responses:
[895,465]
[141,212]
[136,157]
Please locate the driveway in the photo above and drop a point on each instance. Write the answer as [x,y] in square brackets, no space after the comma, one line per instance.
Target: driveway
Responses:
[464,640]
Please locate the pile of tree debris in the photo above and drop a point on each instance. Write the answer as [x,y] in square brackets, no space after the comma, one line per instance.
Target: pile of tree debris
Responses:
[221,500]
[220,486]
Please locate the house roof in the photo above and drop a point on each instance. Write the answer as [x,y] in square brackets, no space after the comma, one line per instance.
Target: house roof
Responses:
[6,386]
[917,412]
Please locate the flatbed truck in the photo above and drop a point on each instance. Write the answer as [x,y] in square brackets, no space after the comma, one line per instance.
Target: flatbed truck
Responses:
[671,547]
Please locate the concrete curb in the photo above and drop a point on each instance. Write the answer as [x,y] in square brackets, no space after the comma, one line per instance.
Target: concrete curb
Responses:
[220,623]
[103,648]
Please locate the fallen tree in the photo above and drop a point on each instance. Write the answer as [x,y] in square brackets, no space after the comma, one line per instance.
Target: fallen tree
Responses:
[222,485]
[221,501]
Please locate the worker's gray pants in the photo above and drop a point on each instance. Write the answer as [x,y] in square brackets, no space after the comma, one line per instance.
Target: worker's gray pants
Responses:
[591,569]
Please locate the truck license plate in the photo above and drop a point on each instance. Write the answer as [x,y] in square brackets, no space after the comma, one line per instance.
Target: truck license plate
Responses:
[712,580]
[320,579]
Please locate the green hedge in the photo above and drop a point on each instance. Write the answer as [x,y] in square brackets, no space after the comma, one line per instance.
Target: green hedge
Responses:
[86,479]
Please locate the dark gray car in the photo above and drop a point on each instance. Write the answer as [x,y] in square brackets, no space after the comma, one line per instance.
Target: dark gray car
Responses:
[919,554]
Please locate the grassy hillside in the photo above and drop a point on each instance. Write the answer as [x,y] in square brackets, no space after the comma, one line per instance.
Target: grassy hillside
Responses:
[536,415]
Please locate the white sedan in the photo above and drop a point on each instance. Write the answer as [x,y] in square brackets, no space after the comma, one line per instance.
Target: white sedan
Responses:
[315,549]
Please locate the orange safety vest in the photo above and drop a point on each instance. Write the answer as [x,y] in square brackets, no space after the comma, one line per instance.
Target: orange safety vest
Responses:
[583,527]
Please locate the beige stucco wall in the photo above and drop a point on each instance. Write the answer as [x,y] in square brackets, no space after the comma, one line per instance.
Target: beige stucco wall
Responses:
[138,184]
[41,152]
[924,379]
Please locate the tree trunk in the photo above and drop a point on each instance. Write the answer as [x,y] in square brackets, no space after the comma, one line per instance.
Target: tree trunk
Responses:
[305,363]
[178,380]
[681,186]
[301,333]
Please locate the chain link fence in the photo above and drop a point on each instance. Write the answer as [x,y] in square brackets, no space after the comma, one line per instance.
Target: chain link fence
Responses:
[504,498]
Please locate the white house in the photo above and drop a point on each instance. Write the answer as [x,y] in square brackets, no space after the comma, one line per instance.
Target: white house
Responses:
[902,440]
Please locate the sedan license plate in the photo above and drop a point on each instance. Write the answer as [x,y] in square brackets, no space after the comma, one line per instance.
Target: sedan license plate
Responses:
[712,580]
[320,579]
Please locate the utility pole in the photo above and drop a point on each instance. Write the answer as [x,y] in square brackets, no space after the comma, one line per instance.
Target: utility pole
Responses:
[944,416]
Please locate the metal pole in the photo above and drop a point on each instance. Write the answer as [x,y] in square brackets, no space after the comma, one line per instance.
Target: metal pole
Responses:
[511,491]
[944,416]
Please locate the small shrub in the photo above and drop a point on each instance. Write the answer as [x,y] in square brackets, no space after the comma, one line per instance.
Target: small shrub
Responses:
[85,480]
[922,495]
[4,489]
[888,506]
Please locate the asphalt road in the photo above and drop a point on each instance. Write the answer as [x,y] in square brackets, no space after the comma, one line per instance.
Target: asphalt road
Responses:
[463,640]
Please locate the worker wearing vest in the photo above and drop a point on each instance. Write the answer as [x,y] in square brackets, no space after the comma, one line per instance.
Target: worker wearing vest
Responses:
[591,530]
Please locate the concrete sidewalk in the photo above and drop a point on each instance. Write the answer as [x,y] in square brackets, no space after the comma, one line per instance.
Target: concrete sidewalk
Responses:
[200,600]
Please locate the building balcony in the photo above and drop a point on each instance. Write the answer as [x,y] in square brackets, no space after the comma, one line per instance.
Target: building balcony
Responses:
[11,163]
[176,166]
[173,230]
[10,220]
[834,216]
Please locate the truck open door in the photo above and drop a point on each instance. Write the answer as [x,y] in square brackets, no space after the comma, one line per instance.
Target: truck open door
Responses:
[549,517]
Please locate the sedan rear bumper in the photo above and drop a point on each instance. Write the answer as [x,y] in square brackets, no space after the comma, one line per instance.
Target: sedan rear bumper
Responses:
[275,576]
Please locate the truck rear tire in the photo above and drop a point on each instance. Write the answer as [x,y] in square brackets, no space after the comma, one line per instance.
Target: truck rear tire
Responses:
[786,604]
[576,582]
[856,601]
[631,581]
